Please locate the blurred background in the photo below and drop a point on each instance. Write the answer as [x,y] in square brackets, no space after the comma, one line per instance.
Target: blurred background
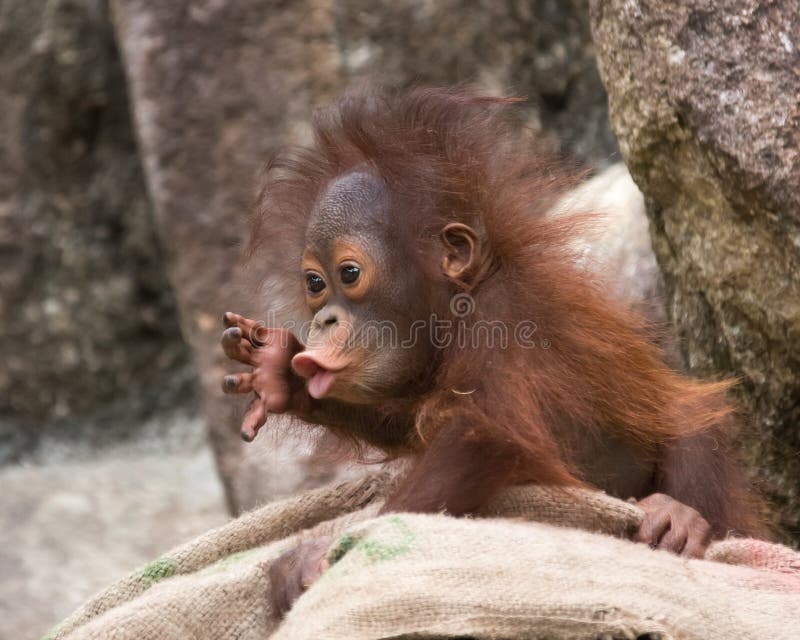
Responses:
[131,137]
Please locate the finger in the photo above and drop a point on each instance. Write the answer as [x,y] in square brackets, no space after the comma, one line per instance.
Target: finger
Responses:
[236,347]
[294,587]
[273,381]
[278,588]
[675,539]
[276,394]
[228,319]
[654,502]
[695,548]
[253,420]
[237,383]
[251,329]
[289,572]
[313,570]
[699,538]
[653,527]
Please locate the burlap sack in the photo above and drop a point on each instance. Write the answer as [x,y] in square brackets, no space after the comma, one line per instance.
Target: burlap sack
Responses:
[439,576]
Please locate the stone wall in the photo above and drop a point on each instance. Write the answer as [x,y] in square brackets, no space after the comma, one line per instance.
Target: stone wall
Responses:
[704,101]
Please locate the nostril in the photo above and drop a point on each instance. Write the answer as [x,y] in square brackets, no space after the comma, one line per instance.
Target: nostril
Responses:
[329,321]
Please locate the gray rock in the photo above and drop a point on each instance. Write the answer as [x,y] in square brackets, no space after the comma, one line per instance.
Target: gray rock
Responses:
[538,49]
[704,101]
[86,312]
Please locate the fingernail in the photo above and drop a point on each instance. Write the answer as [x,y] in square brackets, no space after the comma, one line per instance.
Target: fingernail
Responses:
[230,382]
[247,437]
[233,333]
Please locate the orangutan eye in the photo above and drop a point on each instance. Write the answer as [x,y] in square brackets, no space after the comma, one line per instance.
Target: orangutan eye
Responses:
[314,283]
[349,273]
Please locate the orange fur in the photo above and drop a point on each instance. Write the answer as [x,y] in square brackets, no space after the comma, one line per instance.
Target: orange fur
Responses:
[450,156]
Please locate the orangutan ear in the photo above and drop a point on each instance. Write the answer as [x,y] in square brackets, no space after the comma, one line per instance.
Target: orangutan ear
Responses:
[461,251]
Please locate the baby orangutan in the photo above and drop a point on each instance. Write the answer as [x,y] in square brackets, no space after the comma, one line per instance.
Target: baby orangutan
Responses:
[424,213]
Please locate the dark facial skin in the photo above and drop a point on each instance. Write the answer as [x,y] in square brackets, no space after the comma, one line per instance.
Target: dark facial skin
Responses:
[361,291]
[358,276]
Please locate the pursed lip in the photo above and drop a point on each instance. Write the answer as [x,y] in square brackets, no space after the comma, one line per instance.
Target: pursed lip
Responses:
[319,377]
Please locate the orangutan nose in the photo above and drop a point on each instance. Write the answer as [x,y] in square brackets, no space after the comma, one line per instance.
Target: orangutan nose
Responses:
[327,318]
